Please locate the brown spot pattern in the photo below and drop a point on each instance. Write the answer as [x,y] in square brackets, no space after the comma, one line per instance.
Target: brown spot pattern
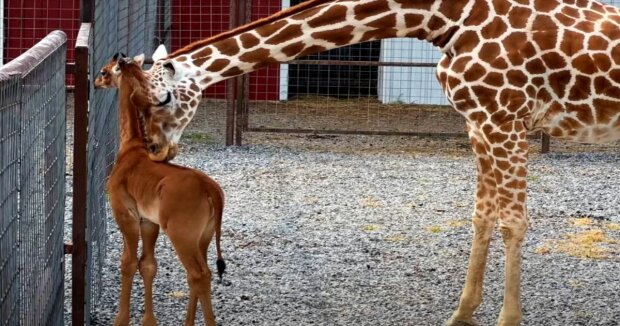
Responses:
[248,40]
[293,49]
[519,16]
[271,28]
[333,14]
[227,47]
[218,64]
[339,37]
[495,29]
[288,33]
[413,20]
[374,8]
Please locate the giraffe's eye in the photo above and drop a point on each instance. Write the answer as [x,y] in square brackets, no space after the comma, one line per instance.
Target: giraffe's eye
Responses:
[170,67]
[104,73]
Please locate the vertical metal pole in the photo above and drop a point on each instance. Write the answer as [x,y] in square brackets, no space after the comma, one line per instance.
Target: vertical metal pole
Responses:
[231,84]
[240,102]
[80,176]
[242,81]
[230,114]
[246,89]
[544,142]
[87,9]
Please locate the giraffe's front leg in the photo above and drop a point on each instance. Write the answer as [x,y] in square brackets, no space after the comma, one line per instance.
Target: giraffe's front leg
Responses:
[485,215]
[512,194]
[507,158]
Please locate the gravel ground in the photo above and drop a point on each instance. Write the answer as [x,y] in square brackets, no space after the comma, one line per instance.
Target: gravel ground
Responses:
[363,230]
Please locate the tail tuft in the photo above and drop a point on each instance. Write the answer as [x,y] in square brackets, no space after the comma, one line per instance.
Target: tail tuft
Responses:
[221,267]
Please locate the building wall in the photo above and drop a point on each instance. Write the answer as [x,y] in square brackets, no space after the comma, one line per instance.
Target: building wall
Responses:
[193,20]
[27,22]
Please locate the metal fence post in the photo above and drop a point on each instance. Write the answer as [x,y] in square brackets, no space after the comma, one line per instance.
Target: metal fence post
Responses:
[243,80]
[544,143]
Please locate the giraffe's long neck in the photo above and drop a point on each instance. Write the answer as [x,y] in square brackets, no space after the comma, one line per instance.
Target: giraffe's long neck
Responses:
[129,121]
[319,27]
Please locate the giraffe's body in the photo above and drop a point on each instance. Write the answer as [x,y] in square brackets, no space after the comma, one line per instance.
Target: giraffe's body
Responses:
[509,67]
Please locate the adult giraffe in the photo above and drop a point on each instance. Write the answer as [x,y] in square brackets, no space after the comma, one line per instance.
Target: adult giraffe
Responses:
[509,67]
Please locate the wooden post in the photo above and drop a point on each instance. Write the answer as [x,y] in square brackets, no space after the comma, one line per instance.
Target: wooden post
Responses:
[544,143]
[80,176]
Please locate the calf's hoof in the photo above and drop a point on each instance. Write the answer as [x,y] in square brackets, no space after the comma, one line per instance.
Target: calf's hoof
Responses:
[149,320]
[461,322]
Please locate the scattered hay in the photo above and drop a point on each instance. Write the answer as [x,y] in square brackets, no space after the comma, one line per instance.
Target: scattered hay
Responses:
[458,223]
[576,284]
[588,244]
[395,238]
[451,224]
[371,228]
[371,202]
[543,250]
[581,222]
[178,294]
[434,229]
[612,226]
[533,178]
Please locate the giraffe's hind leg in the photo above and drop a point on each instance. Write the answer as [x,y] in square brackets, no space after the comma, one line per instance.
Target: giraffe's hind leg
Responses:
[187,244]
[193,299]
[483,220]
[148,268]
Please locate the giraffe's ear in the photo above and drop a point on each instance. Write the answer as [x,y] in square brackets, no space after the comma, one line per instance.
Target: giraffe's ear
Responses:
[139,60]
[160,53]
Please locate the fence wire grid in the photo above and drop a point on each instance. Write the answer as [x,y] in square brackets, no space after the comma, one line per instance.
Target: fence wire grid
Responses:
[32,194]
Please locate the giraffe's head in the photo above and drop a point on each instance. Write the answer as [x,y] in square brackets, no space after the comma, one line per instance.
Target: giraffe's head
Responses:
[109,74]
[166,121]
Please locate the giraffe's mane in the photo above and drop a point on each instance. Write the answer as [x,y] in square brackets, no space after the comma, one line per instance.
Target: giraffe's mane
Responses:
[244,28]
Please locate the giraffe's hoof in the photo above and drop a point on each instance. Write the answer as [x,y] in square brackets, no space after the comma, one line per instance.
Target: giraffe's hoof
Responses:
[121,320]
[149,320]
[460,322]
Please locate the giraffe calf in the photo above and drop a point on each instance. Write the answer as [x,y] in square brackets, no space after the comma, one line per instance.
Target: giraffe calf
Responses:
[164,124]
[147,196]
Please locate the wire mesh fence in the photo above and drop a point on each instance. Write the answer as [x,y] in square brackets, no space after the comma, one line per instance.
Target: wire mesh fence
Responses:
[343,90]
[33,184]
[9,203]
[379,87]
[117,26]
